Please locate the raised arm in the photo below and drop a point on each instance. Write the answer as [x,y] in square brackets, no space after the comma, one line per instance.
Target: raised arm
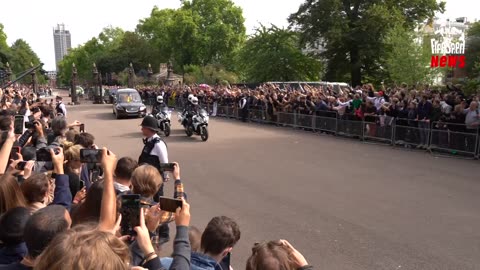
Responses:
[109,203]
[181,246]
[62,194]
[6,149]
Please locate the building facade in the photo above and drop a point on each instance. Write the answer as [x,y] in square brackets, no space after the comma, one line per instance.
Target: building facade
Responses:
[62,42]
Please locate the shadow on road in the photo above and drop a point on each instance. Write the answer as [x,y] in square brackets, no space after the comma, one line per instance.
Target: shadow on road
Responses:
[177,132]
[109,116]
[137,135]
[102,116]
[182,139]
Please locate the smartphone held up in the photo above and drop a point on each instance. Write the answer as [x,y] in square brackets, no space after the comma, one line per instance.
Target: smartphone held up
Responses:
[167,167]
[21,165]
[18,124]
[170,205]
[91,155]
[130,211]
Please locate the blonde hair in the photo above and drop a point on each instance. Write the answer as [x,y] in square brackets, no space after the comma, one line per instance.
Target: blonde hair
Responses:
[71,151]
[146,180]
[85,247]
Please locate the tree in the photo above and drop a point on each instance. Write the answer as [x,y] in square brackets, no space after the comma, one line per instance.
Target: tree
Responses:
[209,74]
[221,28]
[112,51]
[83,57]
[4,48]
[134,49]
[472,51]
[22,56]
[199,33]
[353,31]
[274,54]
[408,58]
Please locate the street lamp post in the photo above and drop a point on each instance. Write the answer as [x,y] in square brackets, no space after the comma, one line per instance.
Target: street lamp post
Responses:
[169,80]
[34,79]
[74,84]
[95,82]
[150,72]
[131,74]
[100,88]
[8,71]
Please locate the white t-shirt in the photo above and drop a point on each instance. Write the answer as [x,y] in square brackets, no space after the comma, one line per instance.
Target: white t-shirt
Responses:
[63,108]
[159,150]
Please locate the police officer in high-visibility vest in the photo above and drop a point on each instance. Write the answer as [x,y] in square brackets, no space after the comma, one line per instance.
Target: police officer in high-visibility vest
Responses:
[154,153]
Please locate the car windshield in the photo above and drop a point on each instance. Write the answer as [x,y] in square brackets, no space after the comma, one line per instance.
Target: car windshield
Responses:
[129,97]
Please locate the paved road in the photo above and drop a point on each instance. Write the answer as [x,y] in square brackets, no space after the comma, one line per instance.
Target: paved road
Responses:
[342,203]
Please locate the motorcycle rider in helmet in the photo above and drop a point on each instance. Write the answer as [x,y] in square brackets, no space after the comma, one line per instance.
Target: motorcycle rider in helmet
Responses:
[159,105]
[190,110]
[188,106]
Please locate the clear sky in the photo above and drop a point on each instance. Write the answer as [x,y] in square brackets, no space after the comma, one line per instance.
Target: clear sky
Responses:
[33,20]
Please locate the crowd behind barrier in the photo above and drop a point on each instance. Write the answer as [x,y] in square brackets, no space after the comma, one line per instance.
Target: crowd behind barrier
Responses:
[426,119]
[397,132]
[61,211]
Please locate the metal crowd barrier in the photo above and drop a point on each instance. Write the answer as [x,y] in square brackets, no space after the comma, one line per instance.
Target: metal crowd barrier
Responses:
[407,134]
[437,136]
[348,127]
[379,128]
[454,138]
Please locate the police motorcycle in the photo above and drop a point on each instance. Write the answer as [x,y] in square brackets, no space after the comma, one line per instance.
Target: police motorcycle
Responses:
[163,114]
[194,121]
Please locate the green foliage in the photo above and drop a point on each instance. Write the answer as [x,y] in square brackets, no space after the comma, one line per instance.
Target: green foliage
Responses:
[274,54]
[112,51]
[210,74]
[407,58]
[4,49]
[472,51]
[22,56]
[353,32]
[221,27]
[201,32]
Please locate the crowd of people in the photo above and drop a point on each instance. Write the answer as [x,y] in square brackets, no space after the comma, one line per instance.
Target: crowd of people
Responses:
[58,211]
[420,110]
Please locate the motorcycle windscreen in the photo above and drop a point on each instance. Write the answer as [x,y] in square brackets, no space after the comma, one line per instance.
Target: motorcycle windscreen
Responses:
[203,112]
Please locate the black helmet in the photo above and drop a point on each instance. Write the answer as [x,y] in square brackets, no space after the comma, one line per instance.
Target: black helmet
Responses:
[150,122]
